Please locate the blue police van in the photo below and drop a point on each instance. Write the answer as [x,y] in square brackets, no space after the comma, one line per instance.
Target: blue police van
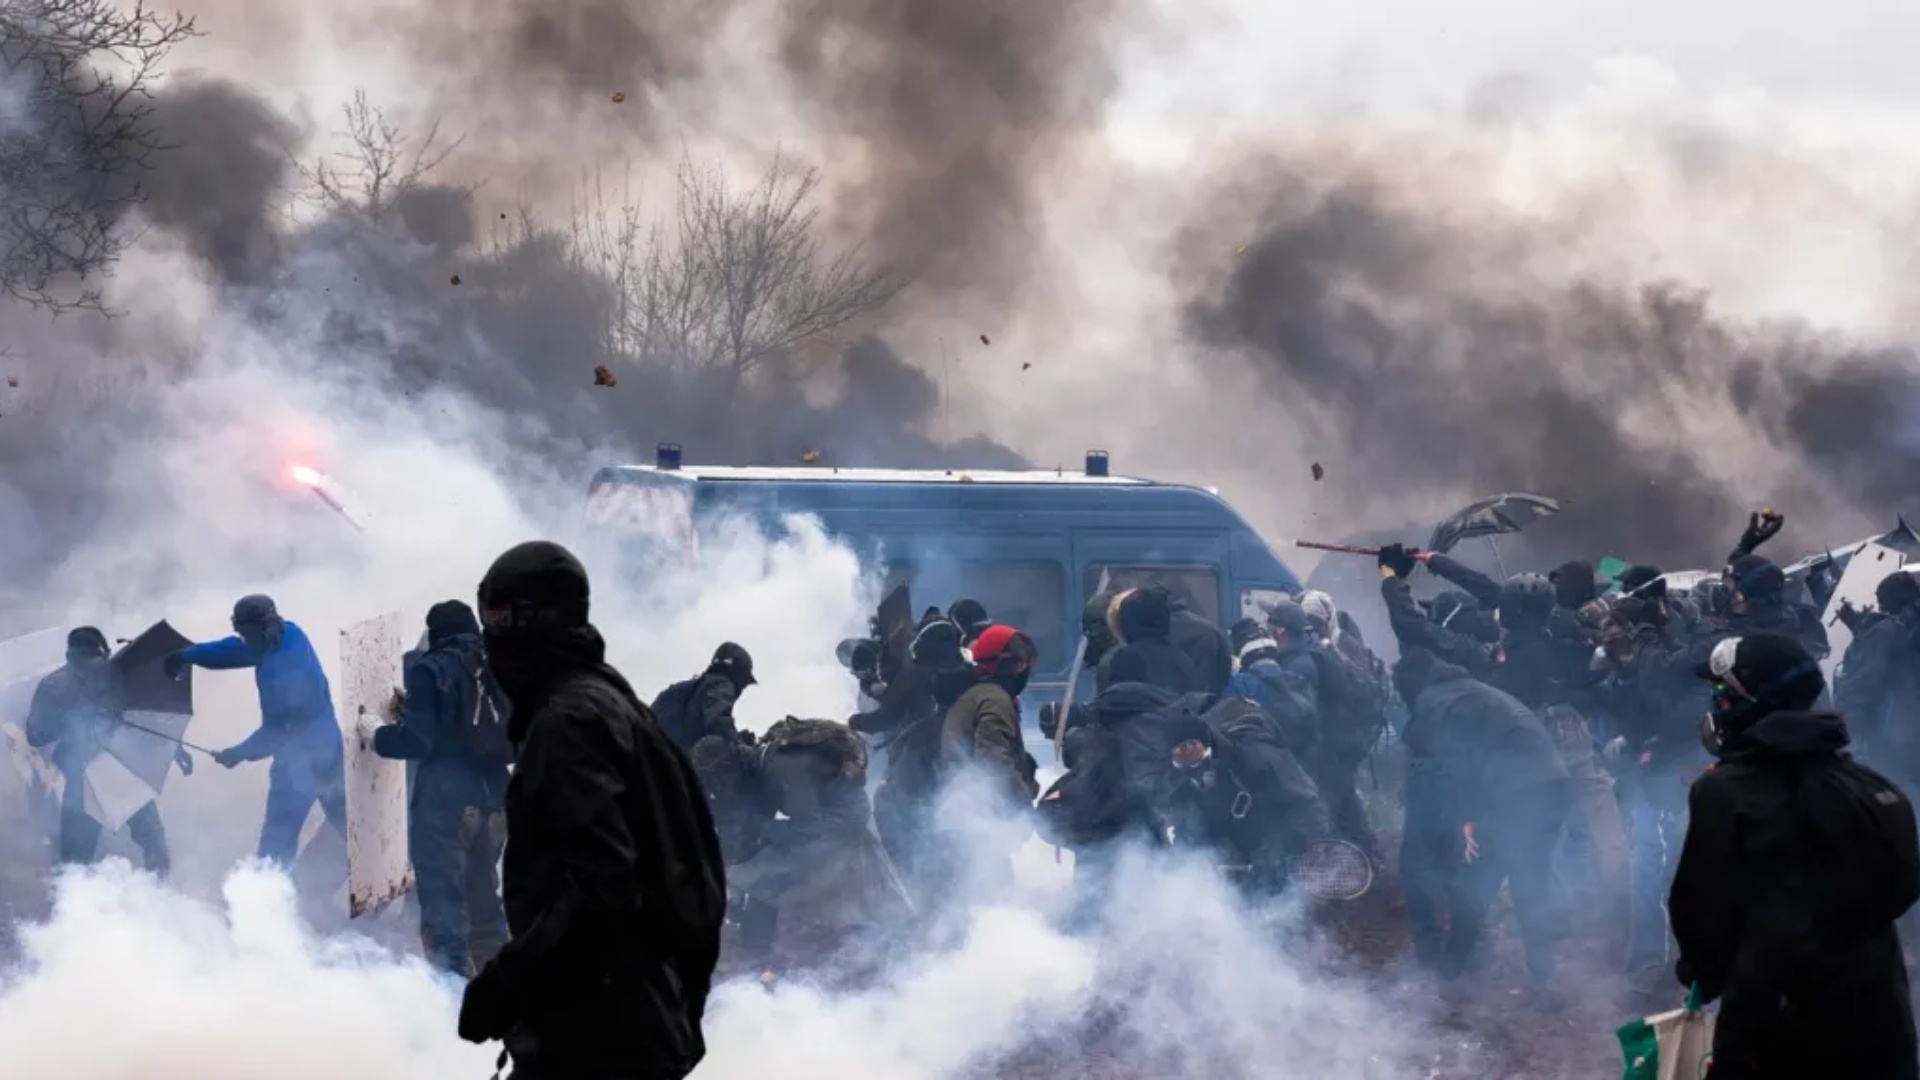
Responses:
[1031,546]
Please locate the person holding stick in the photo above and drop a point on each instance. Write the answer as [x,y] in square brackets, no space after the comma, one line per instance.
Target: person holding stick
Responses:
[74,711]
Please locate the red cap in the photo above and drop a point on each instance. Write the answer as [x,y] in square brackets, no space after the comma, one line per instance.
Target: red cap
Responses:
[997,643]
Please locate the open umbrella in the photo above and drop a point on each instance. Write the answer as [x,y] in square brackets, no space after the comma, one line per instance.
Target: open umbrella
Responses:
[1492,516]
[138,753]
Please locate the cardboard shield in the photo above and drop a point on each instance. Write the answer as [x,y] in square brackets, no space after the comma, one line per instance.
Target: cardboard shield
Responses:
[378,867]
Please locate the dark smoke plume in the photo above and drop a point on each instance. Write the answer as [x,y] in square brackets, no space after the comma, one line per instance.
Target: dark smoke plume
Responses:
[946,119]
[958,112]
[1427,358]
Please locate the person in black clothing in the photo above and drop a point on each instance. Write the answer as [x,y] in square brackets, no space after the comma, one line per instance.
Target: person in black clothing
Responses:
[702,706]
[1278,672]
[1505,787]
[1878,685]
[614,885]
[904,803]
[1142,621]
[1759,605]
[1454,627]
[451,723]
[1239,794]
[1797,862]
[74,712]
[1206,648]
[971,617]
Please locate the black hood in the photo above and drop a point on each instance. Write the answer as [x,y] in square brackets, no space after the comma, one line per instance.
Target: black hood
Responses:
[1574,584]
[1123,701]
[533,610]
[449,621]
[1145,615]
[1418,670]
[1779,735]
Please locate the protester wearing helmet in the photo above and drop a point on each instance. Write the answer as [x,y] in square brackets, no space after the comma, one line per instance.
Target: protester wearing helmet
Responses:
[1797,861]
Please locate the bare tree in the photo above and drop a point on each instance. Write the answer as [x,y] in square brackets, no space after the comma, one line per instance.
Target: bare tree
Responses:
[741,277]
[76,133]
[381,164]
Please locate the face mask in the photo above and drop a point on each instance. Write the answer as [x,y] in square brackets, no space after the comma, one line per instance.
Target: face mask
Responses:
[1710,738]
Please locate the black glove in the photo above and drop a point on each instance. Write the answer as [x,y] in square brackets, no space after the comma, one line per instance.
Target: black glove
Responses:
[488,1010]
[184,760]
[1762,526]
[747,738]
[174,664]
[1397,558]
[227,758]
[1049,719]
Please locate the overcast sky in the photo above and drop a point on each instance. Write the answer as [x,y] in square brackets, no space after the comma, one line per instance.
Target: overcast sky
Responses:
[1265,55]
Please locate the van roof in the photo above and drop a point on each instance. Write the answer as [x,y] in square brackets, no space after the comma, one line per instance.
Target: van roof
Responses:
[829,474]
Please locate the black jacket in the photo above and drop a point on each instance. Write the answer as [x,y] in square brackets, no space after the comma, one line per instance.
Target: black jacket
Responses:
[1800,995]
[613,881]
[1413,630]
[1144,622]
[1491,748]
[691,710]
[1205,648]
[1878,689]
[1252,802]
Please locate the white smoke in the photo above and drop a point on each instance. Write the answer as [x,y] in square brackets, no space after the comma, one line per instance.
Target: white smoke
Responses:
[129,977]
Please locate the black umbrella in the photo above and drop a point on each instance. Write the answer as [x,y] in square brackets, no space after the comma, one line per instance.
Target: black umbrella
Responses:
[139,753]
[1495,515]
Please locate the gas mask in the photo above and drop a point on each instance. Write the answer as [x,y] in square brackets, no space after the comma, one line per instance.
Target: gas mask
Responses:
[1732,702]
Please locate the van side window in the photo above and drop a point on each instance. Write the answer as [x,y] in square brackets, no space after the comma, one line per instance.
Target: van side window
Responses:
[1025,595]
[1199,586]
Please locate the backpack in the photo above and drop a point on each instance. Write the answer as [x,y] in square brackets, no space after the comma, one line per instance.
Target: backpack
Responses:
[483,733]
[1352,706]
[1862,826]
[670,712]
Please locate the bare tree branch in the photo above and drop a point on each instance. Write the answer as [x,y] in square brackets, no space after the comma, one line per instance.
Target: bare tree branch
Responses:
[735,279]
[381,164]
[76,133]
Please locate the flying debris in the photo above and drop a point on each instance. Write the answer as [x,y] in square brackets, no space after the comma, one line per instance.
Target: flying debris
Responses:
[618,97]
[984,340]
[456,279]
[810,456]
[1318,472]
[316,481]
[13,382]
[603,376]
[1028,366]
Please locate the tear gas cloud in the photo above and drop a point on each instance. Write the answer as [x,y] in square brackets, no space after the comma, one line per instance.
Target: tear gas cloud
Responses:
[130,976]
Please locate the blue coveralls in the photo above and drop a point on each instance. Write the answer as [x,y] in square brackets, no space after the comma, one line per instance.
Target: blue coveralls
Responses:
[297,730]
[458,820]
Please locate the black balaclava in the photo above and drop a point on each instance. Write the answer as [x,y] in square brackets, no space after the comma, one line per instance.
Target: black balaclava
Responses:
[87,647]
[971,617]
[448,621]
[533,616]
[1758,584]
[1093,624]
[258,623]
[1897,593]
[1574,585]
